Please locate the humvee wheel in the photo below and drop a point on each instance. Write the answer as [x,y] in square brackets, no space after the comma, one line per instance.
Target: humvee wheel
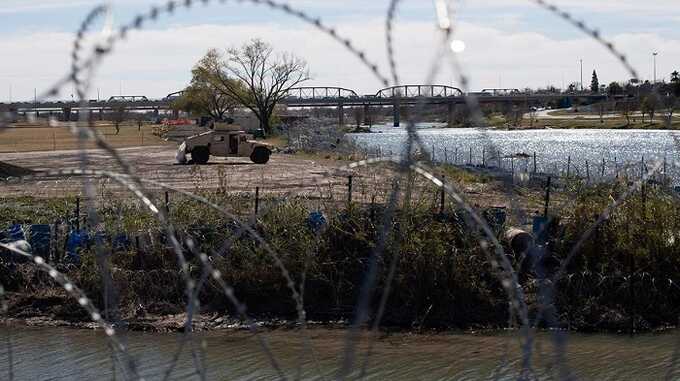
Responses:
[260,155]
[200,155]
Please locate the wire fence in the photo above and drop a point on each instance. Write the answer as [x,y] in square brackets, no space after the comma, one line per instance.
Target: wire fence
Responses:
[389,187]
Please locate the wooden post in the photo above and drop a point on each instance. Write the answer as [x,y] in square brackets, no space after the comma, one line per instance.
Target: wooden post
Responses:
[534,162]
[433,155]
[257,200]
[642,167]
[603,166]
[547,197]
[483,157]
[587,171]
[446,156]
[470,161]
[167,203]
[455,158]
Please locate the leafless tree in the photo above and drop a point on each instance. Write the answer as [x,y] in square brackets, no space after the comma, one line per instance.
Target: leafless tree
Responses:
[625,111]
[119,116]
[263,78]
[358,116]
[601,107]
[671,102]
[649,105]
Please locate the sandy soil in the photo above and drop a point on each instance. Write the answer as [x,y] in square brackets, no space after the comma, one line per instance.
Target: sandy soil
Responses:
[283,173]
[317,179]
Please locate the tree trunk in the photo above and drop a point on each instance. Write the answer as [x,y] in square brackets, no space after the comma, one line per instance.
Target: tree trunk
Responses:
[264,118]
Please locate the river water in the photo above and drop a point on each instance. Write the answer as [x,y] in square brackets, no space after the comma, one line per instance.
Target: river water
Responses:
[71,354]
[621,149]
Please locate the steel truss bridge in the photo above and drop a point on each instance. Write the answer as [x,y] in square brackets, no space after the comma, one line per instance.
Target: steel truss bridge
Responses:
[306,97]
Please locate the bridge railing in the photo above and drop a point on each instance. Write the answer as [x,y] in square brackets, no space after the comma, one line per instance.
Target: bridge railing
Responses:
[413,91]
[321,93]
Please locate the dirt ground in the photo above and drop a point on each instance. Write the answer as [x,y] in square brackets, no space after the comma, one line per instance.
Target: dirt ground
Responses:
[282,174]
[314,178]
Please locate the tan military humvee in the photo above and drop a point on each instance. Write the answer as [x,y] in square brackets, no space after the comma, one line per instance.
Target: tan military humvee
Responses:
[223,141]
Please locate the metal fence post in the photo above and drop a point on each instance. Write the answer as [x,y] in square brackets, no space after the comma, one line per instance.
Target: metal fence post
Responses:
[349,189]
[257,200]
[78,213]
[568,166]
[547,197]
[442,199]
[616,167]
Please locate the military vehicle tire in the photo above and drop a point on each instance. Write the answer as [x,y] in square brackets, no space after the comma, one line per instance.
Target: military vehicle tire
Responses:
[260,155]
[200,155]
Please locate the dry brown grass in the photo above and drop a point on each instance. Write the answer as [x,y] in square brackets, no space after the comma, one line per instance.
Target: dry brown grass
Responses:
[27,137]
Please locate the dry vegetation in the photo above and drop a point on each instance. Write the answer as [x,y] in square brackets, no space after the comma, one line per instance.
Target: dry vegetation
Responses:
[39,136]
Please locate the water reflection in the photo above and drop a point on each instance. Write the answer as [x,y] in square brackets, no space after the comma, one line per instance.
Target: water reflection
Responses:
[621,150]
[67,354]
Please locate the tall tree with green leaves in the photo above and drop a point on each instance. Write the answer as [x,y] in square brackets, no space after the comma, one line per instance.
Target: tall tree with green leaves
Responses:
[675,83]
[614,88]
[595,83]
[203,97]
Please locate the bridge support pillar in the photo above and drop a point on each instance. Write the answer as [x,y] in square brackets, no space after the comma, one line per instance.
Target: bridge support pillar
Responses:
[341,115]
[101,114]
[452,113]
[367,114]
[66,112]
[396,111]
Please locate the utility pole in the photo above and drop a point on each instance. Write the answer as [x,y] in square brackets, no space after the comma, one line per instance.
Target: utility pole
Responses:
[581,75]
[654,55]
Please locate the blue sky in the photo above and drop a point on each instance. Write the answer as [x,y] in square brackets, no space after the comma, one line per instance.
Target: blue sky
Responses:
[510,42]
[64,15]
